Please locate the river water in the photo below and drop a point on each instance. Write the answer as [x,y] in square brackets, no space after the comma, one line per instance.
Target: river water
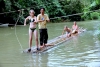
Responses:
[80,51]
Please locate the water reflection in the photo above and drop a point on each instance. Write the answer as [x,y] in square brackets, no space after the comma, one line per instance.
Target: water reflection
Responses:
[37,60]
[93,64]
[75,41]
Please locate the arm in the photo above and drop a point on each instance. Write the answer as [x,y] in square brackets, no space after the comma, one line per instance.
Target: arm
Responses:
[26,21]
[72,28]
[63,32]
[47,19]
[77,28]
[38,19]
[35,20]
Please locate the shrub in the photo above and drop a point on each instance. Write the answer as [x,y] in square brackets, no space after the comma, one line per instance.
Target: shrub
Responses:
[94,15]
[86,16]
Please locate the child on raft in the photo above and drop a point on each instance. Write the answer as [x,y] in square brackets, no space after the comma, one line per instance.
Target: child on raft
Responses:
[67,30]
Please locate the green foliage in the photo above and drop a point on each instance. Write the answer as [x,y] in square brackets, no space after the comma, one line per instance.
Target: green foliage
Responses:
[54,8]
[94,15]
[97,2]
[72,7]
[90,16]
[8,5]
[86,16]
[58,20]
[94,5]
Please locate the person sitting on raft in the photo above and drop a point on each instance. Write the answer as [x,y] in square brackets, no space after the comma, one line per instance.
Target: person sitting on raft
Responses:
[67,30]
[74,28]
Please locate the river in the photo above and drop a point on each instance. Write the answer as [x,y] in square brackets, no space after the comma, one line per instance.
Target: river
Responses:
[80,51]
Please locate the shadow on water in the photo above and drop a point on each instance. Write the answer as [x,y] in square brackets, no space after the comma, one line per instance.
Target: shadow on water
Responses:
[37,60]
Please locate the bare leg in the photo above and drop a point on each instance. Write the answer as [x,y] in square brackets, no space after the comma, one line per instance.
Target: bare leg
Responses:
[30,38]
[69,35]
[75,31]
[36,38]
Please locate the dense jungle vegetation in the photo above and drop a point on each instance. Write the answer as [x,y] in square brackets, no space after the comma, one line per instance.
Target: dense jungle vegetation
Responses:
[54,8]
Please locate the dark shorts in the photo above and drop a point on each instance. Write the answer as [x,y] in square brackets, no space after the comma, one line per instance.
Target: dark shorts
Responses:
[32,29]
[43,36]
[68,32]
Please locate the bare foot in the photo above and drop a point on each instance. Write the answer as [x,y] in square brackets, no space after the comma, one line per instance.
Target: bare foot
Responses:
[41,47]
[46,45]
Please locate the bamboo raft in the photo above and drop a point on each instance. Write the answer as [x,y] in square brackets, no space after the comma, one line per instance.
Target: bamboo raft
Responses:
[54,42]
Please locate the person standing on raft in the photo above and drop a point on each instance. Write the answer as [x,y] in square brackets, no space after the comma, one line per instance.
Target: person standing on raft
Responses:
[75,28]
[42,19]
[32,29]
